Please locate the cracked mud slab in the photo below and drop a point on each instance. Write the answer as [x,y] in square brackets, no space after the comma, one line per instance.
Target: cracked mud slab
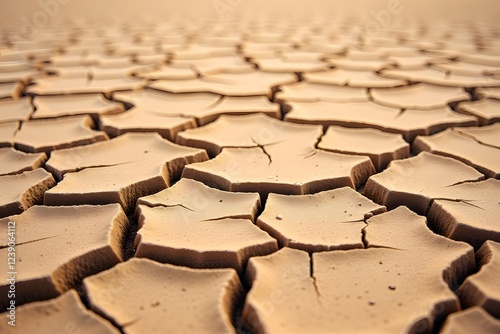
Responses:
[15,110]
[165,297]
[65,311]
[21,191]
[417,181]
[325,221]
[293,292]
[466,147]
[312,92]
[59,106]
[486,110]
[418,96]
[48,135]
[341,77]
[7,133]
[482,289]
[89,240]
[16,162]
[408,122]
[215,229]
[380,146]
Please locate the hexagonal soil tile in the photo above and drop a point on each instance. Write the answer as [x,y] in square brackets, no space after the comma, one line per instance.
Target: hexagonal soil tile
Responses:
[486,110]
[381,147]
[21,191]
[441,78]
[418,96]
[91,104]
[348,63]
[409,123]
[139,296]
[16,162]
[295,292]
[15,110]
[7,133]
[88,238]
[483,289]
[128,148]
[469,321]
[48,135]
[469,213]
[325,221]
[138,120]
[171,220]
[310,92]
[363,79]
[228,84]
[79,85]
[247,131]
[416,182]
[464,147]
[60,314]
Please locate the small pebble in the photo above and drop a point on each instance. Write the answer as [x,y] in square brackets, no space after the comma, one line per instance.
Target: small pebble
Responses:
[279,217]
[371,302]
[392,287]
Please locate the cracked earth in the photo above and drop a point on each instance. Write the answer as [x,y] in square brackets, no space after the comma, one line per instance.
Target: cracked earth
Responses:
[221,177]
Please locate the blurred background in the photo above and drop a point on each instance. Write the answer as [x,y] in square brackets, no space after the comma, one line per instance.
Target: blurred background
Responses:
[21,12]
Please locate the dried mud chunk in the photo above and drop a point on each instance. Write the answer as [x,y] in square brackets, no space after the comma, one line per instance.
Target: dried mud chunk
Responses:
[122,184]
[380,146]
[21,191]
[15,110]
[216,65]
[469,321]
[48,135]
[7,133]
[208,204]
[409,123]
[418,96]
[167,73]
[80,85]
[16,162]
[60,314]
[136,120]
[88,238]
[228,84]
[470,215]
[143,296]
[286,66]
[340,77]
[463,147]
[248,131]
[58,106]
[310,92]
[324,221]
[168,236]
[268,170]
[483,289]
[417,181]
[128,148]
[487,110]
[293,292]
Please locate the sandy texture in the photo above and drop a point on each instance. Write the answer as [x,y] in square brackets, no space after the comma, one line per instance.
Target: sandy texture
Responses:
[165,297]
